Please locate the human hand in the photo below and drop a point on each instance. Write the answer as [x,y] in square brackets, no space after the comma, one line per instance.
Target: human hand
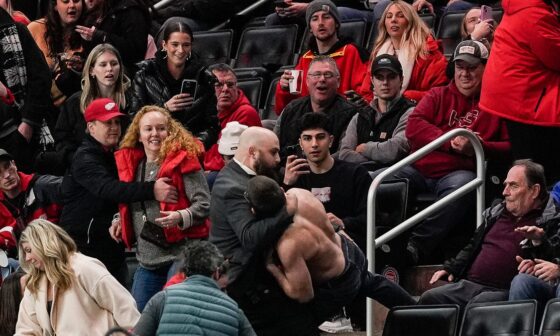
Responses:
[294,168]
[285,80]
[483,29]
[3,90]
[179,102]
[361,148]
[168,219]
[164,191]
[546,270]
[419,4]
[440,274]
[525,265]
[26,131]
[335,221]
[354,98]
[85,32]
[295,9]
[531,232]
[115,230]
[462,145]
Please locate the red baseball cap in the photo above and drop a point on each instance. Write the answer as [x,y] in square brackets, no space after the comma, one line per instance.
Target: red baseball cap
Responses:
[102,109]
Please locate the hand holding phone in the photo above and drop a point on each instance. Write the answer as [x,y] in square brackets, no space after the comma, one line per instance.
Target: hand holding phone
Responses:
[280,4]
[189,86]
[485,13]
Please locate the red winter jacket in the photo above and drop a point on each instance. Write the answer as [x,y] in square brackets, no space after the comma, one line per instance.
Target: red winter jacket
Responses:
[441,110]
[350,65]
[522,78]
[241,111]
[175,165]
[34,207]
[427,73]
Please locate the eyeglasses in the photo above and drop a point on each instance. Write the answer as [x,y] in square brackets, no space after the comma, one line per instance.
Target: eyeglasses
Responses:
[220,85]
[317,75]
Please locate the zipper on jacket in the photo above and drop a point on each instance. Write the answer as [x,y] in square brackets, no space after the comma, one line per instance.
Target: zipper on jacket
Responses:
[540,99]
[88,229]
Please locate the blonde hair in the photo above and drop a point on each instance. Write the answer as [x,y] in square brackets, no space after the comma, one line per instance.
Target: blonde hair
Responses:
[414,37]
[178,137]
[54,247]
[90,90]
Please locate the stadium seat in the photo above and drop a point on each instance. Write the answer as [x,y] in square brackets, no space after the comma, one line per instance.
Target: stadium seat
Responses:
[269,48]
[252,89]
[354,29]
[550,325]
[516,318]
[429,19]
[213,46]
[449,31]
[433,320]
[268,111]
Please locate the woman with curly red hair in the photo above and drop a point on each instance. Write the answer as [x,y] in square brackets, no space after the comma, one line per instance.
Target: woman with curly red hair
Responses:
[156,145]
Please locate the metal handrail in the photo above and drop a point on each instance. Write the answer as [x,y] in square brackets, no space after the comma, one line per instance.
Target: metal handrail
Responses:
[477,183]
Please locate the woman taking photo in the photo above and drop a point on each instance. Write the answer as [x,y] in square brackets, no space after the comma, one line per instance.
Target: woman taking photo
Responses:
[67,293]
[403,33]
[61,45]
[155,146]
[103,77]
[160,79]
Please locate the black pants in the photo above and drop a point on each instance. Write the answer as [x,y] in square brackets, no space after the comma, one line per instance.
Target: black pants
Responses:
[542,144]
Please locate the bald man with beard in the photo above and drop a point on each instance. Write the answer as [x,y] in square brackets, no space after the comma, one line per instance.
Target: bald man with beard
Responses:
[243,239]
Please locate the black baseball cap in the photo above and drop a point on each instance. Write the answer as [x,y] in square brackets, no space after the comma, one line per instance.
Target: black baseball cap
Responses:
[5,156]
[386,61]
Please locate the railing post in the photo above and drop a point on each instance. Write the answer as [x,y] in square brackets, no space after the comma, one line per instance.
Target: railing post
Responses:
[477,183]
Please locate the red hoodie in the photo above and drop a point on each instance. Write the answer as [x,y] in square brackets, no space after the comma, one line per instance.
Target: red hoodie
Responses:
[427,73]
[522,78]
[241,111]
[443,109]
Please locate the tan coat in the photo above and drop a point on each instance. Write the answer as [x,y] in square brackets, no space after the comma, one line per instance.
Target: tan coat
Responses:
[95,303]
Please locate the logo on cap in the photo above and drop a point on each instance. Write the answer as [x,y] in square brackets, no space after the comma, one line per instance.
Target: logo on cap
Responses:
[466,50]
[325,8]
[384,61]
[109,106]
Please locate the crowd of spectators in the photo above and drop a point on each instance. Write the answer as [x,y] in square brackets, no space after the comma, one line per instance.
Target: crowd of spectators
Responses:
[111,141]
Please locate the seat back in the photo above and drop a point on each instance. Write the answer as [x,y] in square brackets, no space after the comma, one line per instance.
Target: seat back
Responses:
[515,318]
[266,47]
[355,30]
[268,111]
[252,89]
[550,325]
[429,19]
[433,320]
[213,46]
[449,31]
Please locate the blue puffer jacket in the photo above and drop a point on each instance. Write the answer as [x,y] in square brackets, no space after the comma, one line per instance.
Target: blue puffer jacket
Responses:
[197,306]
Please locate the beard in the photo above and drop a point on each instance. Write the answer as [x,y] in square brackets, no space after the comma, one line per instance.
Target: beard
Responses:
[262,169]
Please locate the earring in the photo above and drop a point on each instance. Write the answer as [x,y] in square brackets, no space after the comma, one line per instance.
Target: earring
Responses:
[188,57]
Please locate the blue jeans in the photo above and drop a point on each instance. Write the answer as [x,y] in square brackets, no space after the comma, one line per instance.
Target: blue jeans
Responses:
[526,286]
[428,235]
[147,282]
[12,266]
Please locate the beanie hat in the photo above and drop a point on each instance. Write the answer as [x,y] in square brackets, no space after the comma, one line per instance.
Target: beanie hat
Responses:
[322,5]
[228,143]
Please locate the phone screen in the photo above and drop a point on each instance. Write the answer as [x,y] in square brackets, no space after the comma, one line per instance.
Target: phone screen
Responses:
[189,86]
[485,13]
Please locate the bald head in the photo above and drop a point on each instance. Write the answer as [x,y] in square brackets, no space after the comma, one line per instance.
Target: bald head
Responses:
[258,146]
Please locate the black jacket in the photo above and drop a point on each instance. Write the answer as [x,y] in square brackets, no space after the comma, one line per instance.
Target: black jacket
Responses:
[339,112]
[154,85]
[368,130]
[91,193]
[126,27]
[548,250]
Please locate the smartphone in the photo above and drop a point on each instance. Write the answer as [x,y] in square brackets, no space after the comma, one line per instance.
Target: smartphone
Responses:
[485,13]
[295,150]
[280,3]
[189,86]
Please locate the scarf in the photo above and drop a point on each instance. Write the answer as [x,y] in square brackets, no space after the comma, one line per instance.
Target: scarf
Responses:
[404,56]
[13,62]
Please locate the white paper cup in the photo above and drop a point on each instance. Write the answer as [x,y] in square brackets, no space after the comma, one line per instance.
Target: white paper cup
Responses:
[296,82]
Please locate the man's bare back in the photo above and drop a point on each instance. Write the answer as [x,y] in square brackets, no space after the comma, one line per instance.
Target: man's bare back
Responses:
[309,251]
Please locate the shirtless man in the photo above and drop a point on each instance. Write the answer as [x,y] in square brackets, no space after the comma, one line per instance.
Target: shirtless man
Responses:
[313,261]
